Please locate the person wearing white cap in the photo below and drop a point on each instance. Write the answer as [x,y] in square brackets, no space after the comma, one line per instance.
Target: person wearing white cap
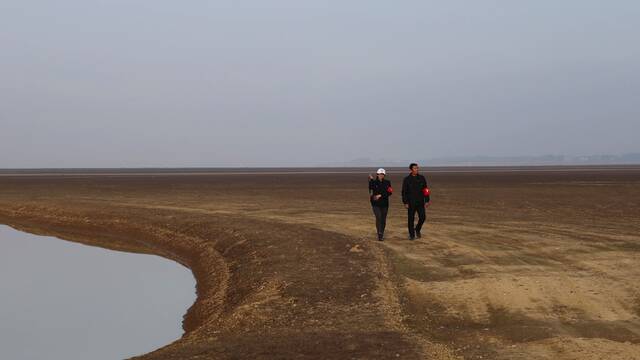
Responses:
[379,191]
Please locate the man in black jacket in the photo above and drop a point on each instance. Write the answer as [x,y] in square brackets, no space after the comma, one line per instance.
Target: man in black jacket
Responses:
[379,192]
[415,196]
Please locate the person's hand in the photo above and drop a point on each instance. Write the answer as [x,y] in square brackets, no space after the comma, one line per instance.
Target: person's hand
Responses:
[370,177]
[406,206]
[426,205]
[376,197]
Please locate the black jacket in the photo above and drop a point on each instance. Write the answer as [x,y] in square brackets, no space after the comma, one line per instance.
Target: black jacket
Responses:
[412,188]
[377,187]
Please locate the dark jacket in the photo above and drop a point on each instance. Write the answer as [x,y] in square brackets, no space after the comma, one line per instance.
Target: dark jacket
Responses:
[377,187]
[412,190]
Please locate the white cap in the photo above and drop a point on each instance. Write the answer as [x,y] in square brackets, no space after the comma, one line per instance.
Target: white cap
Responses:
[381,171]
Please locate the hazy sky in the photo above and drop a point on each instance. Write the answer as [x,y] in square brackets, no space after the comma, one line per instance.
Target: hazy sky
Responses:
[214,83]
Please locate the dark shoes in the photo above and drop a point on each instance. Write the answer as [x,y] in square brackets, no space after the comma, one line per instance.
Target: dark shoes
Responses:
[380,237]
[412,237]
[418,235]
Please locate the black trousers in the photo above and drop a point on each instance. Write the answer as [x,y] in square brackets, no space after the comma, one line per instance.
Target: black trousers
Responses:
[381,218]
[413,208]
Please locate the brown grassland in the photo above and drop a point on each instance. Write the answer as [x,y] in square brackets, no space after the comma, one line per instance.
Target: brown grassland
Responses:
[530,263]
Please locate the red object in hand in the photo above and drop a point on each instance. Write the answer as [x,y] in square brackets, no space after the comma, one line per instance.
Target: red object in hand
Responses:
[390,190]
[426,191]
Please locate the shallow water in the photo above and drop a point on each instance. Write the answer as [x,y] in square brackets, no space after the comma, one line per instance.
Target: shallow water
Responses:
[63,300]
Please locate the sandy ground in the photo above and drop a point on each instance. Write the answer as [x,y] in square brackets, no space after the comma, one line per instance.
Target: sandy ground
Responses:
[524,264]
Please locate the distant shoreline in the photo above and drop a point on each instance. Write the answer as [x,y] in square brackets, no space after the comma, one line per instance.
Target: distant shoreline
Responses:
[300,170]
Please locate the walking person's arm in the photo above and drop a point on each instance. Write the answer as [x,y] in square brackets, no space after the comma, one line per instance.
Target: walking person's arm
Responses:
[370,184]
[405,193]
[372,189]
[427,198]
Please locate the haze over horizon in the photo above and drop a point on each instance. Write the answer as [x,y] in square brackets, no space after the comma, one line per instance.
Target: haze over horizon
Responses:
[224,83]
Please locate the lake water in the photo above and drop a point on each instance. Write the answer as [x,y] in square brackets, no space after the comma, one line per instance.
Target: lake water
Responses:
[63,300]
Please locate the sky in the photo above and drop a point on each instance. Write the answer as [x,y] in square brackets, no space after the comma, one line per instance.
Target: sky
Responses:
[287,82]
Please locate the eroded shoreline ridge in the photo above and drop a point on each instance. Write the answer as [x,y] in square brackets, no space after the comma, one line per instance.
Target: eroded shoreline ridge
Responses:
[276,289]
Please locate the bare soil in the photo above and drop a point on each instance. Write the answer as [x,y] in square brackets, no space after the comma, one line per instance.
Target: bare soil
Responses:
[528,263]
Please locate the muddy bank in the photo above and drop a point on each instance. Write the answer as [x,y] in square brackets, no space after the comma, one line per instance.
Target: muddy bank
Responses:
[265,289]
